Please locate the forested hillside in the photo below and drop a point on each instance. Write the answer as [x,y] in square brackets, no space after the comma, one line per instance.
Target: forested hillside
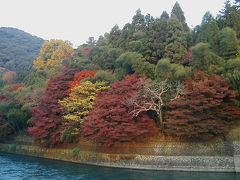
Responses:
[17,49]
[154,77]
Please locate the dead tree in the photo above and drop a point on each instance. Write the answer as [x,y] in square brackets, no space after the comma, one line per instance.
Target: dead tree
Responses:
[154,98]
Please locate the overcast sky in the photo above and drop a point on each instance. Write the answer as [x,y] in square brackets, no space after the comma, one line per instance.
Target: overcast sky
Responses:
[76,20]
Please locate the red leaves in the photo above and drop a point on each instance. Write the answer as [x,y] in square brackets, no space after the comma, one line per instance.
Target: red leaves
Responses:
[205,111]
[111,120]
[47,115]
[78,77]
[16,87]
[4,99]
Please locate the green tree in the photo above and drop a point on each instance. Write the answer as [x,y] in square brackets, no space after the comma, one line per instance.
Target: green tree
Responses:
[157,35]
[138,21]
[178,12]
[149,20]
[114,36]
[176,41]
[208,30]
[104,57]
[173,72]
[226,43]
[229,16]
[204,59]
[232,73]
[130,62]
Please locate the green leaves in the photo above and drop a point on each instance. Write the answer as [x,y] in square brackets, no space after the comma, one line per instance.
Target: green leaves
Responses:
[173,72]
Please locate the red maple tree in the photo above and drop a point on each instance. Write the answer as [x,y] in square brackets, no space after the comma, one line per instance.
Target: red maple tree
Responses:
[205,111]
[78,77]
[111,120]
[46,117]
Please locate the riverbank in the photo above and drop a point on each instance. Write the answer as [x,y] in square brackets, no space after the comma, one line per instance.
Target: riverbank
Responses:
[226,161]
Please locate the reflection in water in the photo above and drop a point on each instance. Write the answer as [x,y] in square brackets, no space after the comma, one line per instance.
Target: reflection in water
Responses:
[23,167]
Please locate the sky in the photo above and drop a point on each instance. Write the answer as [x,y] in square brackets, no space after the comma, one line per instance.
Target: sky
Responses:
[76,20]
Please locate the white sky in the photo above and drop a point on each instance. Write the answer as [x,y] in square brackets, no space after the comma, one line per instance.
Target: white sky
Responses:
[76,20]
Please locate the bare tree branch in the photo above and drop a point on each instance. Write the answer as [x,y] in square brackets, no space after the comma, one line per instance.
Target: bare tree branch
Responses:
[155,96]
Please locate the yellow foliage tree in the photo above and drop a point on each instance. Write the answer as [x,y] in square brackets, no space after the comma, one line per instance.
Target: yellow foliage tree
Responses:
[77,105]
[52,54]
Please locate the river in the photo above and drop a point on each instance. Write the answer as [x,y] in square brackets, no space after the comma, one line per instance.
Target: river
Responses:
[14,167]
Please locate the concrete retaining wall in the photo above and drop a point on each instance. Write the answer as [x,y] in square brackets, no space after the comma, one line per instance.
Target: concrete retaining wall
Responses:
[214,163]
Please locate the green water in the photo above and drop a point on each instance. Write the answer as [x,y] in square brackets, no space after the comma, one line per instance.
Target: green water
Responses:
[14,167]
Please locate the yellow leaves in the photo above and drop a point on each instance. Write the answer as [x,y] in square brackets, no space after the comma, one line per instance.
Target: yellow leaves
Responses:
[52,54]
[81,100]
[38,63]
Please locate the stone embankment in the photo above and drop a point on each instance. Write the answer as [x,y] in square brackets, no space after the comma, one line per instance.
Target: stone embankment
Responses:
[215,157]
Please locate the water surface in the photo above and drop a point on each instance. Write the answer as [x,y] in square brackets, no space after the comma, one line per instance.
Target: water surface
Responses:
[14,167]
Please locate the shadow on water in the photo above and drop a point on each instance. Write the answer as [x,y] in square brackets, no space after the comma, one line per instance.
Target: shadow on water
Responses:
[14,167]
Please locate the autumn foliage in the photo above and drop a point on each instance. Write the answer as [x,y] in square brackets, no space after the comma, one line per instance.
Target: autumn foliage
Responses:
[15,87]
[111,120]
[47,115]
[77,105]
[78,77]
[4,99]
[9,77]
[206,110]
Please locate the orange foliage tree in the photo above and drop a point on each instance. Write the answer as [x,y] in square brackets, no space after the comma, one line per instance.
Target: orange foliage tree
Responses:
[78,77]
[206,110]
[111,120]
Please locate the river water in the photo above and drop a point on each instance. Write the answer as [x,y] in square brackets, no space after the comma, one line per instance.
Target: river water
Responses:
[14,167]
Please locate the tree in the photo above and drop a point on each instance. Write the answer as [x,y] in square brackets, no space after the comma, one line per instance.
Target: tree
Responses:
[226,43]
[229,17]
[91,42]
[204,59]
[104,57]
[172,72]
[47,116]
[149,20]
[111,121]
[155,97]
[130,62]
[176,42]
[205,111]
[13,117]
[114,36]
[232,73]
[77,105]
[178,12]
[80,76]
[52,54]
[138,21]
[208,30]
[157,34]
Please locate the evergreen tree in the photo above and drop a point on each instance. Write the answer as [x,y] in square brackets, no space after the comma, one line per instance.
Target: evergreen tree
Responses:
[208,30]
[226,43]
[204,59]
[176,41]
[149,20]
[178,12]
[138,21]
[229,17]
[157,38]
[114,36]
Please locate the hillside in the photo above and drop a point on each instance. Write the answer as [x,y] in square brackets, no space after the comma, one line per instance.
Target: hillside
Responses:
[17,48]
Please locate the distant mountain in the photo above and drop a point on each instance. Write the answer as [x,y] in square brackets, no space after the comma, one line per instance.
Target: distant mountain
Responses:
[17,49]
